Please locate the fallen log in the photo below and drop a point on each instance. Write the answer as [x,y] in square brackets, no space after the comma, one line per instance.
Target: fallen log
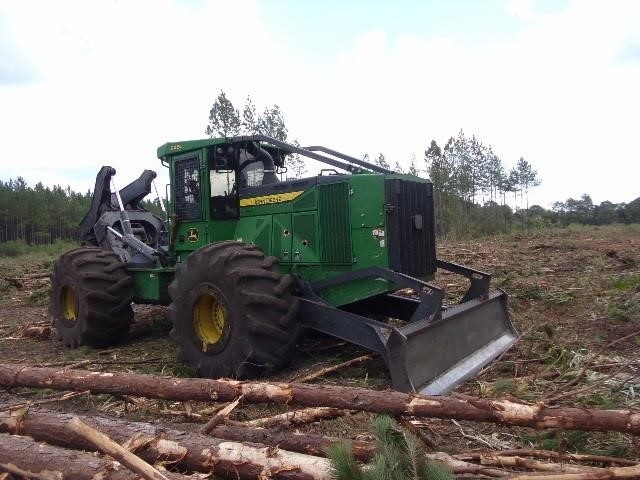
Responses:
[106,445]
[194,451]
[548,455]
[155,443]
[296,417]
[10,468]
[504,412]
[309,443]
[601,474]
[58,463]
[528,464]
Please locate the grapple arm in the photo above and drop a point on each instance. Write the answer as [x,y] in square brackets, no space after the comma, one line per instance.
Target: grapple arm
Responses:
[100,201]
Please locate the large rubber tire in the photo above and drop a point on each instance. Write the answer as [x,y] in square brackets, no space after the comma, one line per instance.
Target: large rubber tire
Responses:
[233,313]
[90,298]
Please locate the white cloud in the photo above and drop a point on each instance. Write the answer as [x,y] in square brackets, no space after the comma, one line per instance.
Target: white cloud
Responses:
[555,96]
[521,8]
[117,79]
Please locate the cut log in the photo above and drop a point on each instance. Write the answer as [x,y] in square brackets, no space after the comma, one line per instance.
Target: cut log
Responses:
[601,474]
[195,452]
[528,464]
[10,468]
[56,462]
[309,443]
[504,412]
[460,467]
[296,417]
[103,443]
[190,451]
[548,455]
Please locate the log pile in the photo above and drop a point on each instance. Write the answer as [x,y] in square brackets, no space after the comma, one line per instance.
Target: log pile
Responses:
[37,442]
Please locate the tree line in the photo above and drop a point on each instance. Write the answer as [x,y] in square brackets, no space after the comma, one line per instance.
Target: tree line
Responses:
[471,186]
[40,214]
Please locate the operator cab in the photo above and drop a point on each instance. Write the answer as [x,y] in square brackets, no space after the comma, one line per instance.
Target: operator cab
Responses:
[234,167]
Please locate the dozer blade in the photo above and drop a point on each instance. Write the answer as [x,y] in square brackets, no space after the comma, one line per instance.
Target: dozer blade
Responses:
[434,357]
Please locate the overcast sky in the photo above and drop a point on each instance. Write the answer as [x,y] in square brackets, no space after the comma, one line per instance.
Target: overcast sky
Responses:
[91,83]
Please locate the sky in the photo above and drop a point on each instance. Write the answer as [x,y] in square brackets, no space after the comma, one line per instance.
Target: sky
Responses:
[105,82]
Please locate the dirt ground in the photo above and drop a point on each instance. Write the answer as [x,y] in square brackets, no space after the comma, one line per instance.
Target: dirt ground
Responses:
[574,297]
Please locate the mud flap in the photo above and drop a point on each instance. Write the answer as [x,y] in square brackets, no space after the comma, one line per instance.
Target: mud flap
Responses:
[434,356]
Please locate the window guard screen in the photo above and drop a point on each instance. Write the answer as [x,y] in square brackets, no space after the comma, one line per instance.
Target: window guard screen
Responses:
[187,189]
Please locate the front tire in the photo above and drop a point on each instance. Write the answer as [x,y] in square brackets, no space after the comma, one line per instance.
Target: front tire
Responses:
[90,298]
[233,313]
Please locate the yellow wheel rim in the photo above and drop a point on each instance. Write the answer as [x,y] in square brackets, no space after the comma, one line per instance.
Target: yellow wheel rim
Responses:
[69,303]
[209,319]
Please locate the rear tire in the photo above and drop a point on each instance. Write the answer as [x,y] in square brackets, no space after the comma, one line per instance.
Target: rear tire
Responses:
[90,298]
[232,311]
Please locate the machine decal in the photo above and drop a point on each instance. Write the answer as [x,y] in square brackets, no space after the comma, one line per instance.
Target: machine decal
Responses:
[269,199]
[193,235]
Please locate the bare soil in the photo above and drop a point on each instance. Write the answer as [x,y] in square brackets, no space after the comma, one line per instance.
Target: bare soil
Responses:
[574,296]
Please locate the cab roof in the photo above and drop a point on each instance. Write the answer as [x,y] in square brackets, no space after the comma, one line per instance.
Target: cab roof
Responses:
[172,148]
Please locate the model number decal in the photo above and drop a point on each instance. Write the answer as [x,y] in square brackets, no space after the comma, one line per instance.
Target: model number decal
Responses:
[269,199]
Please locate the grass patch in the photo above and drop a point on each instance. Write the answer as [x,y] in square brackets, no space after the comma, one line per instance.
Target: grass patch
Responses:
[543,294]
[18,248]
[39,297]
[626,283]
[574,441]
[622,299]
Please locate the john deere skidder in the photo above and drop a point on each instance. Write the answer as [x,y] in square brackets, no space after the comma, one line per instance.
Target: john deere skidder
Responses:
[244,259]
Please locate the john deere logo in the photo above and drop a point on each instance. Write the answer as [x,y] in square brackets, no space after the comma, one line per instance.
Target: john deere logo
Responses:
[192,235]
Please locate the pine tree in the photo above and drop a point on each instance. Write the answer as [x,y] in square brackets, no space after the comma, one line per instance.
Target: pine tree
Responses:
[250,119]
[224,119]
[527,178]
[413,169]
[296,166]
[400,457]
[271,123]
[381,161]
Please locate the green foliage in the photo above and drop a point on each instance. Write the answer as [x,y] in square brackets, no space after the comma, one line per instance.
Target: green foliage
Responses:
[559,440]
[12,248]
[622,299]
[626,283]
[413,169]
[225,120]
[296,166]
[38,215]
[471,187]
[343,464]
[381,161]
[400,457]
[504,386]
[39,297]
[584,211]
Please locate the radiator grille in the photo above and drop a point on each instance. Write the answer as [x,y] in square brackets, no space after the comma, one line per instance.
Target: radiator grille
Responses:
[335,231]
[410,227]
